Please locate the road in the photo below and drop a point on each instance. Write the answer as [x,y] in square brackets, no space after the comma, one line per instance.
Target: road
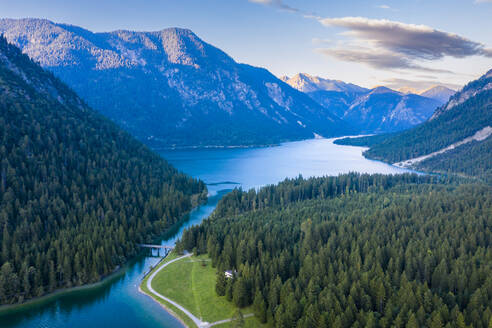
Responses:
[197,321]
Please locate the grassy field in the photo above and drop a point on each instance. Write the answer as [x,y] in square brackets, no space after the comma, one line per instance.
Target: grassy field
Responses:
[171,308]
[191,283]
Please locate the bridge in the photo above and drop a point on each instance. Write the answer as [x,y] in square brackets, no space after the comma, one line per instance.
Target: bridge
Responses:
[167,249]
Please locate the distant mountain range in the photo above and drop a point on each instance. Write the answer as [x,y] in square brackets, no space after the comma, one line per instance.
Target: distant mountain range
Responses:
[308,83]
[457,139]
[375,110]
[169,88]
[439,93]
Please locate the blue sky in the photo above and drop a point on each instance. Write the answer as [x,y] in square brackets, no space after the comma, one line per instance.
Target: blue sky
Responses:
[413,43]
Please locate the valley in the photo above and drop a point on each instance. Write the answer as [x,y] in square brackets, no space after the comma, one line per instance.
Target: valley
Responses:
[245,164]
[222,170]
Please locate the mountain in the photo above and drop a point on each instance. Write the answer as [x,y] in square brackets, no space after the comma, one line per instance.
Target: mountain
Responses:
[308,83]
[457,139]
[439,93]
[407,90]
[76,192]
[379,110]
[472,89]
[169,88]
[385,110]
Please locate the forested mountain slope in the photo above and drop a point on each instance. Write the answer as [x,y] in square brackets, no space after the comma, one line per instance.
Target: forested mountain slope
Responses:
[76,192]
[467,112]
[169,88]
[355,251]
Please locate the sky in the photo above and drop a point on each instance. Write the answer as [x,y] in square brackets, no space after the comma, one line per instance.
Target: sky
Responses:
[412,43]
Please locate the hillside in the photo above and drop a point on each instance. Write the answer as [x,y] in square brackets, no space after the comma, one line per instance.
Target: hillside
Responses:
[169,88]
[76,192]
[379,110]
[467,113]
[355,251]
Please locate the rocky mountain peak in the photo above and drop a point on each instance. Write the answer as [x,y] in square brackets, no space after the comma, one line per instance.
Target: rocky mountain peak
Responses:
[438,92]
[169,87]
[382,89]
[308,83]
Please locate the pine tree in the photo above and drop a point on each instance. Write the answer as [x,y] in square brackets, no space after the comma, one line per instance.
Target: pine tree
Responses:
[229,289]
[240,293]
[221,284]
[259,307]
[412,322]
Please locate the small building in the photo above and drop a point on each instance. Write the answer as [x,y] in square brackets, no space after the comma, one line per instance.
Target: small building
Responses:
[229,274]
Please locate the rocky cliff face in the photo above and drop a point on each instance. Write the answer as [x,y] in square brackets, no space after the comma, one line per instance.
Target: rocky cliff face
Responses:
[170,88]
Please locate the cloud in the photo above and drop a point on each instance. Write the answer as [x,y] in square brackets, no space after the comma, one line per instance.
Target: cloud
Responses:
[390,44]
[415,41]
[483,1]
[419,85]
[276,3]
[387,44]
[377,58]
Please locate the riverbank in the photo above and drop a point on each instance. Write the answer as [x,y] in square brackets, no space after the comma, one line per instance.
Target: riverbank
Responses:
[12,308]
[171,309]
[186,288]
[103,307]
[105,281]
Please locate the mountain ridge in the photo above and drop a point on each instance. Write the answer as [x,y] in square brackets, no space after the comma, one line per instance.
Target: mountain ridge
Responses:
[376,110]
[438,92]
[171,89]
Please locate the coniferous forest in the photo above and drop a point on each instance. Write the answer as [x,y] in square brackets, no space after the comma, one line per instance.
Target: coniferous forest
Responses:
[355,251]
[76,192]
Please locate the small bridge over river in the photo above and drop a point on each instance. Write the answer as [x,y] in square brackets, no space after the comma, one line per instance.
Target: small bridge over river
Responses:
[164,248]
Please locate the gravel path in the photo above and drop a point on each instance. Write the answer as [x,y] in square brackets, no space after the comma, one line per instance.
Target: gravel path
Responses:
[197,321]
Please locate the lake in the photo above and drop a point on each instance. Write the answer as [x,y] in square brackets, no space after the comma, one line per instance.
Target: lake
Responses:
[117,303]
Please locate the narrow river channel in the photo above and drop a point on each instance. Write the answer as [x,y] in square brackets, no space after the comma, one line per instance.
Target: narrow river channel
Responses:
[117,302]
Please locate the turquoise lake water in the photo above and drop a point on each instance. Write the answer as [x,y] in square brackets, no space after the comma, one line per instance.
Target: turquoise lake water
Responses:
[118,303]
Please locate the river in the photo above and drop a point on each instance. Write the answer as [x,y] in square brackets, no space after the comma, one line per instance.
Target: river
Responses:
[117,302]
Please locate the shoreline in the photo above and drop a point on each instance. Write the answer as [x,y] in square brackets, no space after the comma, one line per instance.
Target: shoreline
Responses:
[169,308]
[7,309]
[166,308]
[11,308]
[268,145]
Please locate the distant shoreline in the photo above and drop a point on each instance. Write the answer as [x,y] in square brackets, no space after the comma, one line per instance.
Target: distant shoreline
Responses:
[276,144]
[220,146]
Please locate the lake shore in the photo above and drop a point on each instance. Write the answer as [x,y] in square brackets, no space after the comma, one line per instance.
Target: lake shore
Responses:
[11,308]
[309,158]
[169,308]
[104,282]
